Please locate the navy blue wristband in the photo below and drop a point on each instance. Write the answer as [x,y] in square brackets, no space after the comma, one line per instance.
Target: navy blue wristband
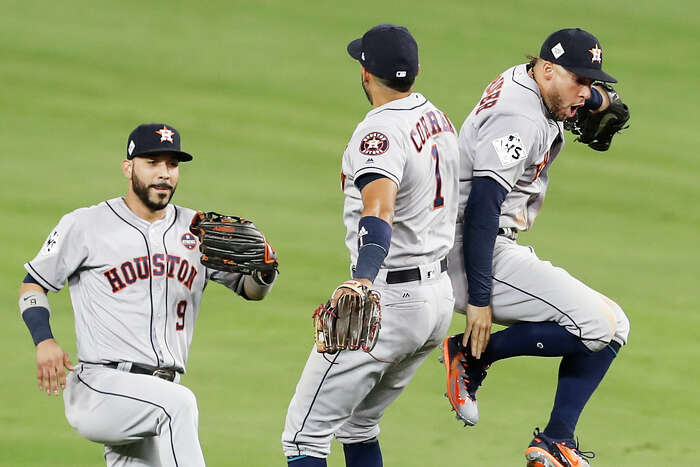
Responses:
[374,239]
[595,101]
[37,320]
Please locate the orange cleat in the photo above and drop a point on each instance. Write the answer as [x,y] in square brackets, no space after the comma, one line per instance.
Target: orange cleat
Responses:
[464,376]
[546,452]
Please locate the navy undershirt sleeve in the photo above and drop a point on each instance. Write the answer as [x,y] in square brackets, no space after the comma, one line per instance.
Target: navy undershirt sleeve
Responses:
[363,180]
[480,230]
[29,279]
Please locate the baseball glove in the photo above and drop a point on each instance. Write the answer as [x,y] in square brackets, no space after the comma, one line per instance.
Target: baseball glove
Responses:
[352,324]
[597,129]
[233,244]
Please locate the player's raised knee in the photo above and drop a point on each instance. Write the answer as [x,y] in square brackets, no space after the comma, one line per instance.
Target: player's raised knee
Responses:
[622,328]
[608,323]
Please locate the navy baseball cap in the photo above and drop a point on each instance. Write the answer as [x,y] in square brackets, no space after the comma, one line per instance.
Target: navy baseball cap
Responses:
[578,51]
[150,138]
[387,51]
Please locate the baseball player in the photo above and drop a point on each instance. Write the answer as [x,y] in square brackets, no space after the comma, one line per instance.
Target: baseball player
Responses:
[399,176]
[507,144]
[135,279]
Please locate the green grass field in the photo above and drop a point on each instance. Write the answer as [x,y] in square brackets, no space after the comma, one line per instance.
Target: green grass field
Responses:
[266,98]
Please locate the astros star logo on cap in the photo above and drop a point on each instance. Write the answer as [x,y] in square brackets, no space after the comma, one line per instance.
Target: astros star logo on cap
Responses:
[597,53]
[166,134]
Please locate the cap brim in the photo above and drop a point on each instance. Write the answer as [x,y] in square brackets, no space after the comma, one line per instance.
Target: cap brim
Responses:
[181,155]
[590,73]
[355,49]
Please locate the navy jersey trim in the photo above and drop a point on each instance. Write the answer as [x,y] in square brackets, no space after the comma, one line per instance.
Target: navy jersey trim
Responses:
[170,419]
[399,110]
[547,113]
[378,170]
[150,279]
[313,401]
[40,277]
[496,174]
[521,84]
[165,248]
[367,178]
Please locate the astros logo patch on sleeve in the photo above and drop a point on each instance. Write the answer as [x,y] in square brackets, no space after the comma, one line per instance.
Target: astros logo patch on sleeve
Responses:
[374,144]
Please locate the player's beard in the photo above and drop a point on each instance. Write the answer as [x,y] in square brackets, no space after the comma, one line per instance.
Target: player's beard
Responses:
[557,110]
[142,191]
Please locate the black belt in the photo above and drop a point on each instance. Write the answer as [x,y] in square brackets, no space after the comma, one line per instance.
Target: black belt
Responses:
[409,275]
[508,232]
[163,373]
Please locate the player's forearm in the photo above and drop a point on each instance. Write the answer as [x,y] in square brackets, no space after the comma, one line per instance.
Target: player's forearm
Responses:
[480,230]
[29,287]
[374,228]
[35,311]
[257,289]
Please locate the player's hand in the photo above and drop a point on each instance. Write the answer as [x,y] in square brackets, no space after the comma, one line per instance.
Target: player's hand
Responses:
[51,360]
[338,293]
[479,328]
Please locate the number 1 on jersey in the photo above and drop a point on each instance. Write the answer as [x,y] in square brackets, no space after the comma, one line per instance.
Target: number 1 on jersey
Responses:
[439,201]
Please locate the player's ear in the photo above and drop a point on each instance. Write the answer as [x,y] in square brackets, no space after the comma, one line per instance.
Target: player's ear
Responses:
[127,167]
[548,70]
[366,76]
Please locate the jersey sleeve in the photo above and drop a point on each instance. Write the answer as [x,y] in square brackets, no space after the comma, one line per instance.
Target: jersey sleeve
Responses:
[230,280]
[375,150]
[505,144]
[62,254]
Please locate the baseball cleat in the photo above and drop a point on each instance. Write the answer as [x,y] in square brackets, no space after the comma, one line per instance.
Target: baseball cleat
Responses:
[546,452]
[464,376]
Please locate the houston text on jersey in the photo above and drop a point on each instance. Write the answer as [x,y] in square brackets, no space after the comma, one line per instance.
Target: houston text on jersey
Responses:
[139,268]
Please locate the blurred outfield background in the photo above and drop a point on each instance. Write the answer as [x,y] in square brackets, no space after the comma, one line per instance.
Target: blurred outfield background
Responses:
[266,99]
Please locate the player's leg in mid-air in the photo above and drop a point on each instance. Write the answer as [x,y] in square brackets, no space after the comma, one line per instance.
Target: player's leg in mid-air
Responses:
[549,313]
[142,420]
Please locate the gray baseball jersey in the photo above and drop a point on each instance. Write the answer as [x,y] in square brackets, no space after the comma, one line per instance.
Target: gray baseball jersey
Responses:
[411,142]
[136,288]
[509,137]
[344,395]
